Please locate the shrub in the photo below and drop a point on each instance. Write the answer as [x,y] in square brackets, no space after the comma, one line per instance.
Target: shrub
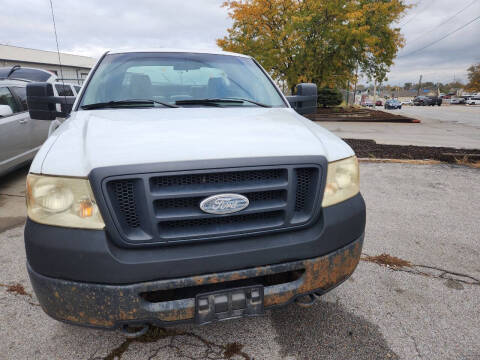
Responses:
[329,97]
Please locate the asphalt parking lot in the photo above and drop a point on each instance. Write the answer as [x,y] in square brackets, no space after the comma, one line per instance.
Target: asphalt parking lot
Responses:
[423,214]
[455,126]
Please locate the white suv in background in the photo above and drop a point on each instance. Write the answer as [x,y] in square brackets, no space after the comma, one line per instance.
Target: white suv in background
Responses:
[474,100]
[65,89]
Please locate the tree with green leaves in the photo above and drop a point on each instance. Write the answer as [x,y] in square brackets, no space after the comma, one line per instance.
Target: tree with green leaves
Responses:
[320,41]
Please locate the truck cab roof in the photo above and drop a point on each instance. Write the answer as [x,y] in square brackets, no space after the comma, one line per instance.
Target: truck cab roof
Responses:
[176,50]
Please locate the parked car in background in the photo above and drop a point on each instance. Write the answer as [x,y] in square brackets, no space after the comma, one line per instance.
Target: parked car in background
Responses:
[77,89]
[20,73]
[422,101]
[393,104]
[457,100]
[20,136]
[435,100]
[64,89]
[379,103]
[474,100]
[367,103]
[407,102]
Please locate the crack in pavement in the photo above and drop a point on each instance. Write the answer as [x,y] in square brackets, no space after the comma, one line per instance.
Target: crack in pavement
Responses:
[207,349]
[397,264]
[415,344]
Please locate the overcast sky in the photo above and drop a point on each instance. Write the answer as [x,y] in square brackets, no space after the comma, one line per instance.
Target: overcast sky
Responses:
[90,27]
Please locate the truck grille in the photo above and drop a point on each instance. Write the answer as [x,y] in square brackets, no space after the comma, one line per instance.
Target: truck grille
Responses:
[165,208]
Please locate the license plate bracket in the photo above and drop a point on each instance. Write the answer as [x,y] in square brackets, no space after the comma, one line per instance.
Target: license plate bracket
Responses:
[229,304]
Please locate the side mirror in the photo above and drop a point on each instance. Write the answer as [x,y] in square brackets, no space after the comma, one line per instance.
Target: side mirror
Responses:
[41,102]
[305,102]
[5,110]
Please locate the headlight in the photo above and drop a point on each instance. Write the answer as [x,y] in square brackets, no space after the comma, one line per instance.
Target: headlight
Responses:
[343,181]
[59,201]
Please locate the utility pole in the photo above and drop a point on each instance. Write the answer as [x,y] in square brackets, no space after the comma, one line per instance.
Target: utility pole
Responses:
[348,91]
[419,85]
[355,87]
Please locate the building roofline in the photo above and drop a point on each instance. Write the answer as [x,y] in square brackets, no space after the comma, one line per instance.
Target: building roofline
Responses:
[48,51]
[46,63]
[35,56]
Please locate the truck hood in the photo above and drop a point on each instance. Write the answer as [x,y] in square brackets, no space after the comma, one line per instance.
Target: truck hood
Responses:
[98,138]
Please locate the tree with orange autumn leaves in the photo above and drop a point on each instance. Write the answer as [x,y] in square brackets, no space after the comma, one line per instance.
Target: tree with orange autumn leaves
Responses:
[320,41]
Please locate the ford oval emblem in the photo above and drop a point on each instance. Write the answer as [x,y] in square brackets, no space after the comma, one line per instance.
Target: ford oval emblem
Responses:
[224,204]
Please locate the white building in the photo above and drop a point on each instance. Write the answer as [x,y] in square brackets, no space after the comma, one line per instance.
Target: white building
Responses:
[75,67]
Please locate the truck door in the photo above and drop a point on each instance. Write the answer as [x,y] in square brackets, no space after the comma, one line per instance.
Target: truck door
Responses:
[37,130]
[14,132]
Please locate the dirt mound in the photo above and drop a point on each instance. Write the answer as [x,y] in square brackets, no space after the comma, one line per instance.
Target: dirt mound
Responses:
[370,149]
[357,115]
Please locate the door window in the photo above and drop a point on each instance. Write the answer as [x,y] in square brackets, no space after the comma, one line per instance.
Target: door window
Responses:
[21,93]
[6,98]
[64,90]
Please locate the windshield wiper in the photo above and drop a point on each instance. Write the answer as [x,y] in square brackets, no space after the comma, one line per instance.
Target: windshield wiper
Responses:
[112,104]
[214,101]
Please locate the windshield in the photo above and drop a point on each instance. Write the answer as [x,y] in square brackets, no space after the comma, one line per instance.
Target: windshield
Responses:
[172,77]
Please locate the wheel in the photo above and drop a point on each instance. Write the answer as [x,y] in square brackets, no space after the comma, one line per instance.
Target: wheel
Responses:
[400,108]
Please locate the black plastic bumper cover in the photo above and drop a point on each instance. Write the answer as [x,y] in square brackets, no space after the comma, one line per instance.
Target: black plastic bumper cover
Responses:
[90,256]
[111,306]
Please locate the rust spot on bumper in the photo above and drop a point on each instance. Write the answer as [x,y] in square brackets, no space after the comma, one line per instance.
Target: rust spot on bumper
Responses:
[108,306]
[321,273]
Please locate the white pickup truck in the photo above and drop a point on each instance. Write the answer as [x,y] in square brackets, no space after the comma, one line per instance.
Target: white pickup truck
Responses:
[184,187]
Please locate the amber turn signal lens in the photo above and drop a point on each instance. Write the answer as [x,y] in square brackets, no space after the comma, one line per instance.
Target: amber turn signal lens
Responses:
[86,208]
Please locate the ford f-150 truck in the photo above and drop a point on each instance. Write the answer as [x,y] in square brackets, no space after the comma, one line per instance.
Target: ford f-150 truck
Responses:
[184,187]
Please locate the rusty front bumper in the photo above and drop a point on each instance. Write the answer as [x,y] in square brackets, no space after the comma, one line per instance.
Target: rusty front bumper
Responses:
[110,306]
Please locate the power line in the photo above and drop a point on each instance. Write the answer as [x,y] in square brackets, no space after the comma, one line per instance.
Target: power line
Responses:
[416,14]
[444,37]
[446,21]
